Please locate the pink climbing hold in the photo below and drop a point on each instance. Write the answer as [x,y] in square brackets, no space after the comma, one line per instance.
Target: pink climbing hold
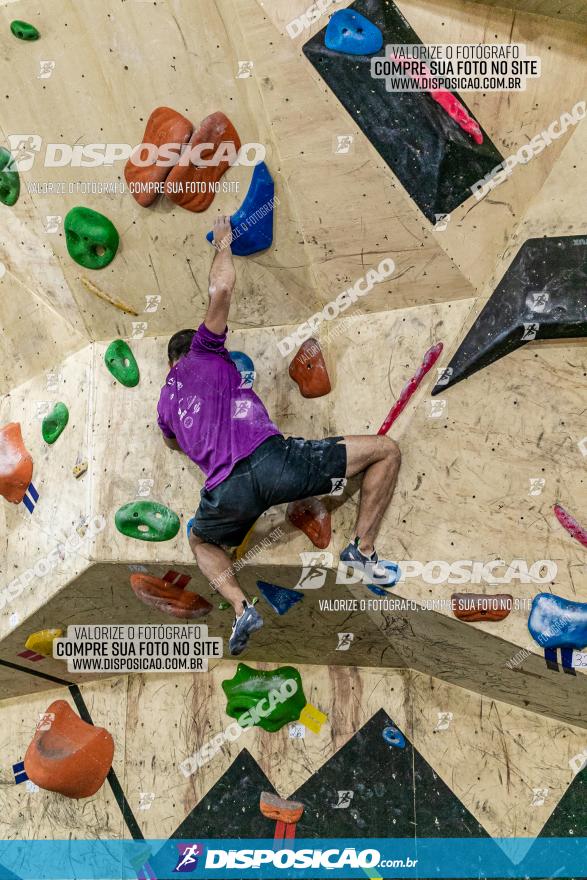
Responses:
[448,102]
[411,387]
[571,525]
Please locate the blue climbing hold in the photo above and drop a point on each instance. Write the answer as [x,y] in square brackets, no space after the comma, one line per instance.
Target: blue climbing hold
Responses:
[377,590]
[245,366]
[353,34]
[252,225]
[394,737]
[189,526]
[555,622]
[242,361]
[280,598]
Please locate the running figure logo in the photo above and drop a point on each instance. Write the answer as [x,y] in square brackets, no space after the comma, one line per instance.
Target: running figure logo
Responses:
[188,857]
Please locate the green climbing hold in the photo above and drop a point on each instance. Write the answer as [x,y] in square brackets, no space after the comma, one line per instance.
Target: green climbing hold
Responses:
[92,239]
[24,31]
[9,179]
[122,364]
[267,699]
[147,521]
[54,424]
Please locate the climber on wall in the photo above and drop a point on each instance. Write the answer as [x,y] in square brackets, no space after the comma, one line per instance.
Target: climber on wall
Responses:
[249,466]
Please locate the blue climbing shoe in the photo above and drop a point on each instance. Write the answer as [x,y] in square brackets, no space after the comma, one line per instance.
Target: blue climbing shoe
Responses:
[376,573]
[248,622]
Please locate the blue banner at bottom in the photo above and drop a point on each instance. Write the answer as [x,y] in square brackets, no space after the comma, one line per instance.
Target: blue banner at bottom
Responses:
[519,857]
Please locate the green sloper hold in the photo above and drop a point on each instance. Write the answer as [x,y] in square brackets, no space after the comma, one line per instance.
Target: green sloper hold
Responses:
[92,239]
[147,521]
[24,31]
[9,179]
[122,364]
[250,686]
[54,424]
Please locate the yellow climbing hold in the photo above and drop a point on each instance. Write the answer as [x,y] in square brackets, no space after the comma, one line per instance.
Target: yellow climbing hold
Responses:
[241,549]
[42,642]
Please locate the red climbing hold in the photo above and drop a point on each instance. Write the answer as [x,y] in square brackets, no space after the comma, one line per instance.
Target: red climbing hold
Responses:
[165,127]
[571,525]
[167,598]
[67,754]
[479,606]
[16,464]
[191,184]
[308,370]
[411,387]
[312,518]
[449,103]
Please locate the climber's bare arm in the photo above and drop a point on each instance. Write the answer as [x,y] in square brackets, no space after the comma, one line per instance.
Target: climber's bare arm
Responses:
[222,277]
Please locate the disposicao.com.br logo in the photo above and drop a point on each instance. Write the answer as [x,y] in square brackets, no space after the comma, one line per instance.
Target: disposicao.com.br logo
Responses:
[301,859]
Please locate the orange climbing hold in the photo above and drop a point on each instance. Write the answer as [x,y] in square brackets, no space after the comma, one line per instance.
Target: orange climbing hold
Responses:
[312,518]
[191,184]
[165,127]
[308,369]
[68,755]
[16,464]
[167,598]
[279,809]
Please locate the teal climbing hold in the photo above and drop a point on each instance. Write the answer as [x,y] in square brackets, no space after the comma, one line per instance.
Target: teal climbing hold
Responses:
[264,698]
[121,362]
[92,239]
[280,598]
[147,521]
[24,31]
[9,179]
[54,424]
[252,225]
[351,33]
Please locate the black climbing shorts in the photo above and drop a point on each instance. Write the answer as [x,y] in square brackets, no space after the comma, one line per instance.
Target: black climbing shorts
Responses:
[278,471]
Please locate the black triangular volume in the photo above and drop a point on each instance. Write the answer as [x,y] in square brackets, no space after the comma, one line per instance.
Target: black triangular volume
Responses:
[439,811]
[434,159]
[380,777]
[568,817]
[543,295]
[231,807]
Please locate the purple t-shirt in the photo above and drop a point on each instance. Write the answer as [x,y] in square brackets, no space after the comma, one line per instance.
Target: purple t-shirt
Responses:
[214,420]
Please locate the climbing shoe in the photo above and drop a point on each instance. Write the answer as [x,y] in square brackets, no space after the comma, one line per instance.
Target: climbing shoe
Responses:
[382,573]
[244,625]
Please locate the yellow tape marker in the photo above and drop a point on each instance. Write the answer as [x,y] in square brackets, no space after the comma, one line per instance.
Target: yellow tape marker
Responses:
[312,718]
